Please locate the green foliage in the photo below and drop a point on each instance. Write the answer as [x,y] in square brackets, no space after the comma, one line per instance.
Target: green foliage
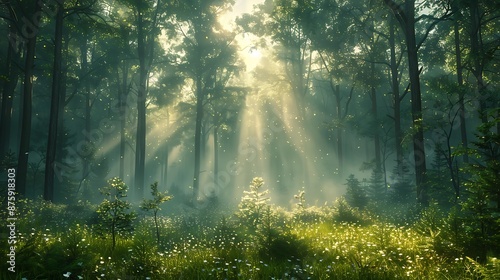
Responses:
[440,187]
[158,198]
[143,253]
[113,212]
[154,205]
[430,222]
[339,242]
[377,190]
[402,191]
[343,212]
[355,193]
[488,271]
[482,203]
[253,203]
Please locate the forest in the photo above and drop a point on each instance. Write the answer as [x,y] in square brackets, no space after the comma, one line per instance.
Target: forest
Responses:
[260,139]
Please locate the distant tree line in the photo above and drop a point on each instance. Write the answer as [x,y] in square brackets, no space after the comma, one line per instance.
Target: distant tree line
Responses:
[86,84]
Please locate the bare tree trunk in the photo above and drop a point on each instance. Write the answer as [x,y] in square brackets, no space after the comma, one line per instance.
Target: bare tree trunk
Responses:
[140,147]
[476,49]
[50,158]
[216,154]
[398,134]
[460,82]
[123,118]
[339,131]
[9,86]
[197,138]
[406,19]
[24,145]
[416,106]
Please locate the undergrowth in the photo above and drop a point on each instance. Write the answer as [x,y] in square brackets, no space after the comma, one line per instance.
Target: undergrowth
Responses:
[306,242]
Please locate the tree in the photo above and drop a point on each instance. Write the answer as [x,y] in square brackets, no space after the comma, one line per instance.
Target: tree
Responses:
[30,35]
[326,31]
[208,52]
[406,18]
[355,193]
[482,187]
[457,18]
[254,203]
[154,205]
[113,212]
[147,30]
[50,158]
[10,76]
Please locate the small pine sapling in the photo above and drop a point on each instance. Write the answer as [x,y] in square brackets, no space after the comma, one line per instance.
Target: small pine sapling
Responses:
[253,203]
[355,193]
[154,205]
[113,212]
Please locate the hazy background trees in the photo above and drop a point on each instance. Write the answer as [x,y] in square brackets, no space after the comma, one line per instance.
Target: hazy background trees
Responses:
[303,93]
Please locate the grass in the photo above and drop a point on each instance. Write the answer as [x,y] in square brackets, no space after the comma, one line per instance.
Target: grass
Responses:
[310,243]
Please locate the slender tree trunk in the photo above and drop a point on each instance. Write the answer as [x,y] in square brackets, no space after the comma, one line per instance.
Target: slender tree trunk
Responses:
[165,166]
[374,111]
[87,110]
[216,155]
[50,158]
[406,19]
[167,153]
[140,149]
[197,138]
[398,134]
[123,118]
[460,82]
[476,55]
[8,89]
[157,227]
[339,131]
[61,136]
[416,106]
[373,97]
[24,145]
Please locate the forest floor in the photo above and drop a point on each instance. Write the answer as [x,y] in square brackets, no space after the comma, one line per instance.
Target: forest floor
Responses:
[336,242]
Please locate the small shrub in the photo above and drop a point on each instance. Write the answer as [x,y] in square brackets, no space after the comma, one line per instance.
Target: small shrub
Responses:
[253,203]
[154,205]
[343,212]
[114,214]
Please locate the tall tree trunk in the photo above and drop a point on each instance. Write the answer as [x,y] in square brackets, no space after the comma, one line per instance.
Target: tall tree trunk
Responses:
[24,145]
[398,134]
[87,109]
[11,74]
[145,49]
[50,158]
[197,138]
[374,112]
[460,80]
[416,106]
[61,134]
[339,131]
[140,141]
[476,49]
[216,155]
[123,115]
[164,178]
[165,167]
[406,19]
[8,89]
[373,95]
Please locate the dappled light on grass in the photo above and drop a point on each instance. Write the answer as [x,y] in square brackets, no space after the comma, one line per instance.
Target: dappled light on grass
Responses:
[261,241]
